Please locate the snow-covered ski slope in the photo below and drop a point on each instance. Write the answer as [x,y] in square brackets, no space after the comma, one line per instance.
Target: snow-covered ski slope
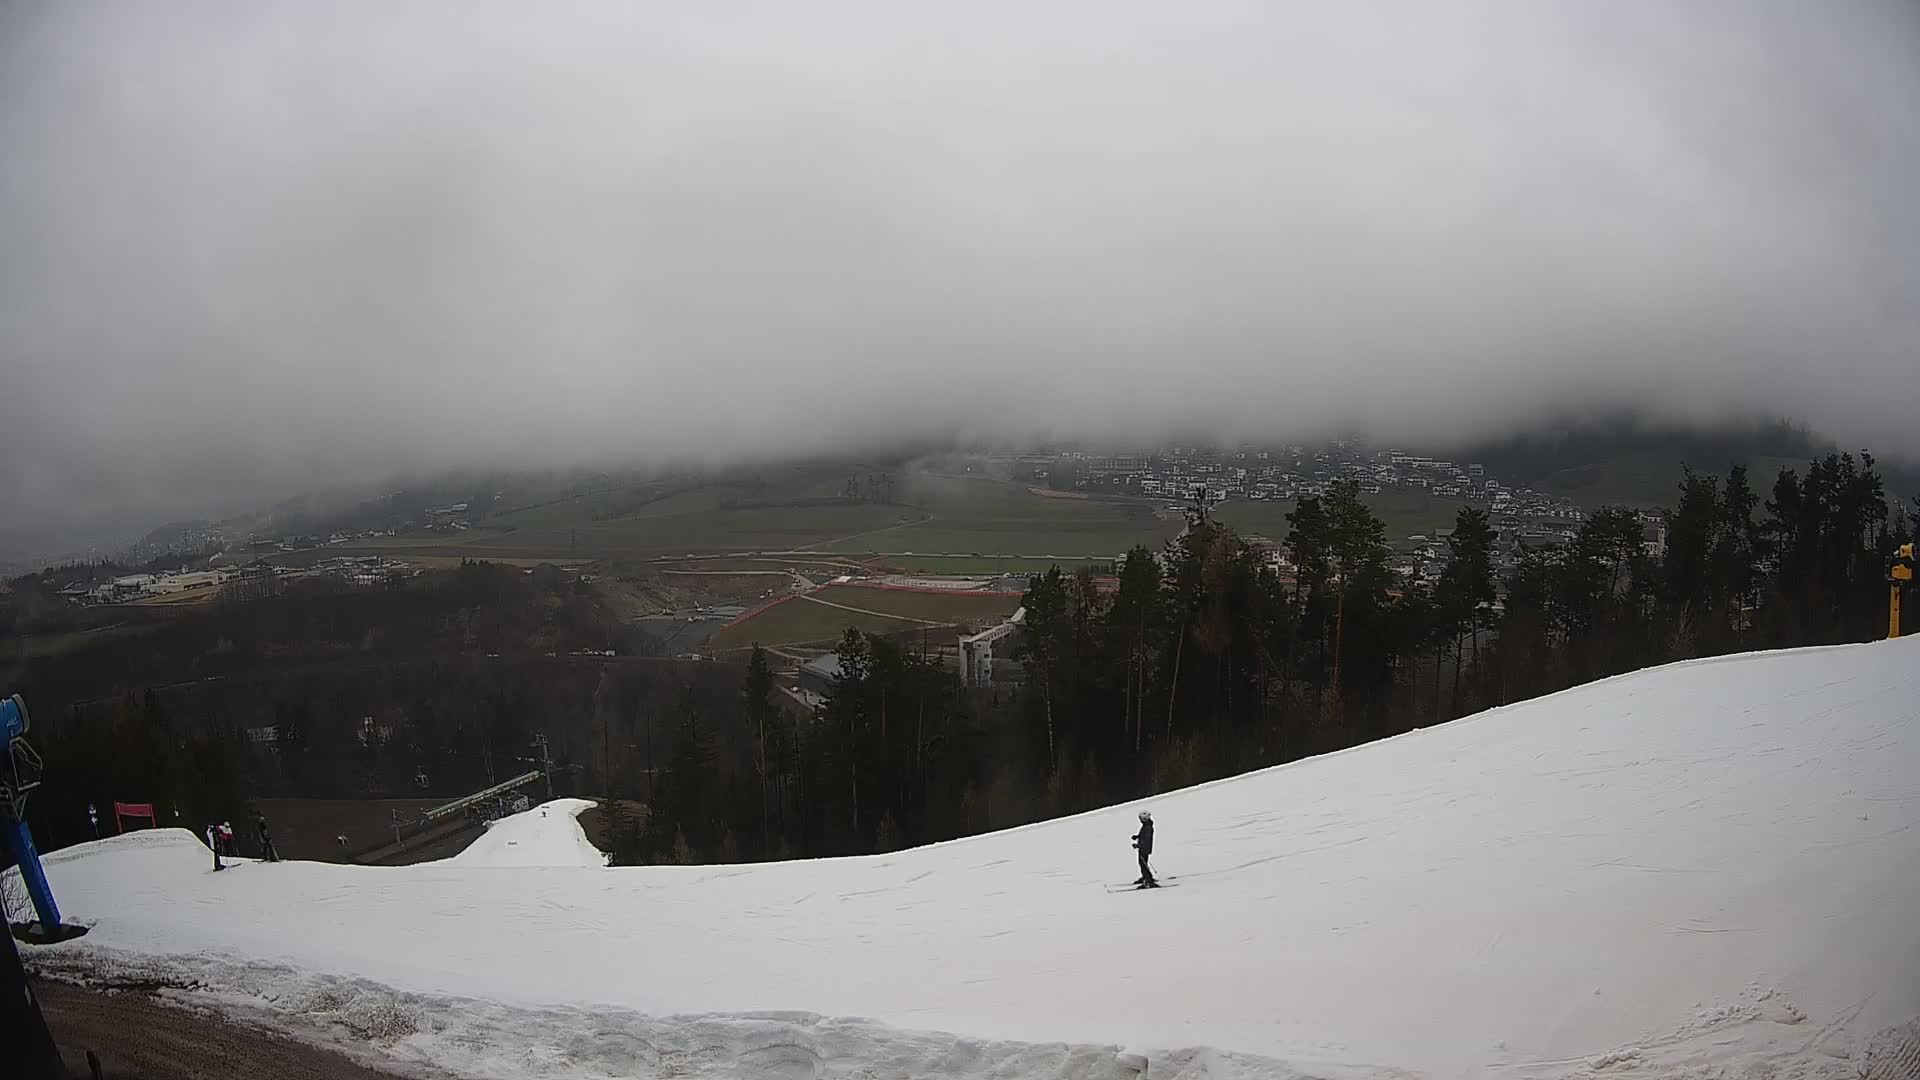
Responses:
[1707,868]
[547,835]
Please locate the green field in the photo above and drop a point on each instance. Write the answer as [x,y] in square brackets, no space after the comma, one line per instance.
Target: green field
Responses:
[774,564]
[993,520]
[940,524]
[995,523]
[1095,539]
[930,606]
[553,536]
[962,565]
[797,622]
[801,621]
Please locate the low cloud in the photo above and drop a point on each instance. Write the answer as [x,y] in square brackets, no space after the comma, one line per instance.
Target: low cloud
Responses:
[246,249]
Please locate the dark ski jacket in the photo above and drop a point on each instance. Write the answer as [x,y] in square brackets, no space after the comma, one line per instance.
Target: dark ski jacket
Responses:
[1144,838]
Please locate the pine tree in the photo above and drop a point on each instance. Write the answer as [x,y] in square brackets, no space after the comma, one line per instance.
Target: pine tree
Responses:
[1358,555]
[756,693]
[1048,630]
[1135,623]
[1737,550]
[1310,544]
[1464,597]
[1693,533]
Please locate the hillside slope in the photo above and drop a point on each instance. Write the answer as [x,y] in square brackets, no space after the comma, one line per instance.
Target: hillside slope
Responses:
[1711,867]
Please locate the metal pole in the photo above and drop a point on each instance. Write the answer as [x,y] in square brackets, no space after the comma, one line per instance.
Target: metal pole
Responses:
[546,764]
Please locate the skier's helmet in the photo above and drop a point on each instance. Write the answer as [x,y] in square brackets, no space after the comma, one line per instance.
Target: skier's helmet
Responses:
[1146,815]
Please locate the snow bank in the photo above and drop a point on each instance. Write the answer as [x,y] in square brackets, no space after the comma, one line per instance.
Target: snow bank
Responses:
[547,835]
[478,1038]
[1708,868]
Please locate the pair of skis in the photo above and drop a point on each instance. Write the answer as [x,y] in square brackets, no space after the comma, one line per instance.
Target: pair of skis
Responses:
[1159,883]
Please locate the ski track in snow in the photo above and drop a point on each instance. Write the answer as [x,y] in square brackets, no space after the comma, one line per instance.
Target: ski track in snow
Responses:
[1707,870]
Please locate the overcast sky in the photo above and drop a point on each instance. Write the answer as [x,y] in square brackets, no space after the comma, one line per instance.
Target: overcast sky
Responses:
[249,247]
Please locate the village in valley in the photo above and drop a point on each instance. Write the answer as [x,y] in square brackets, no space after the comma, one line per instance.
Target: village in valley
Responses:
[1250,488]
[936,552]
[1522,516]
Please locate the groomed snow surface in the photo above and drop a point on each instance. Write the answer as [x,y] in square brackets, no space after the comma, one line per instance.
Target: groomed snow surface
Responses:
[547,835]
[1706,869]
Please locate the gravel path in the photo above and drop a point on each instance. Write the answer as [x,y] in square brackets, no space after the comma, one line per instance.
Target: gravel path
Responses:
[138,1038]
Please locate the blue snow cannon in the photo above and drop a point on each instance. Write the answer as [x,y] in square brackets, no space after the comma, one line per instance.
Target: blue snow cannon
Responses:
[14,786]
[14,720]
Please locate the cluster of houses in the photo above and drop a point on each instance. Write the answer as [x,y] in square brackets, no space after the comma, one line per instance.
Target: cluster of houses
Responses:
[1523,517]
[1295,472]
[130,587]
[451,518]
[133,588]
[310,541]
[1421,556]
[363,569]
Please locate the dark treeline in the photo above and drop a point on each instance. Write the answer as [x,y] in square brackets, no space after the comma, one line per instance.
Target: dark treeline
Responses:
[1204,660]
[477,608]
[1193,662]
[435,728]
[193,770]
[1803,565]
[426,687]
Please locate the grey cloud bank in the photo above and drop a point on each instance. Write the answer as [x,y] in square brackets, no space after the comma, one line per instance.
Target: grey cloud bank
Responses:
[246,248]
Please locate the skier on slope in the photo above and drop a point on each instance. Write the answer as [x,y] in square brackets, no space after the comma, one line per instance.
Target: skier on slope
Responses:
[266,841]
[1143,843]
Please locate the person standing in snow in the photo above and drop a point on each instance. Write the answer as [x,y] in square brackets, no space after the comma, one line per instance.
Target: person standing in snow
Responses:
[226,838]
[1143,843]
[266,841]
[213,845]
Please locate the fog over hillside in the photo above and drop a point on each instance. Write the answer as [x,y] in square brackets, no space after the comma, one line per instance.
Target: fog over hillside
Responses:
[248,251]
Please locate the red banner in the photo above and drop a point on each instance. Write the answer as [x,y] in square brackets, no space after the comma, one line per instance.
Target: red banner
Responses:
[123,810]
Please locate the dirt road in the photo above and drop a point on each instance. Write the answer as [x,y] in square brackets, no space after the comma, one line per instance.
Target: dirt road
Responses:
[137,1038]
